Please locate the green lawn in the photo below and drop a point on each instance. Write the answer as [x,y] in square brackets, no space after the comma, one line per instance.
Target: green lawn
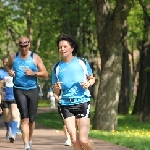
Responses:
[44,103]
[129,133]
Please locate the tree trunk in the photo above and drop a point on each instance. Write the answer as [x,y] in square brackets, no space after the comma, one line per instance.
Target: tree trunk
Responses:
[143,98]
[141,106]
[126,84]
[96,72]
[142,81]
[109,28]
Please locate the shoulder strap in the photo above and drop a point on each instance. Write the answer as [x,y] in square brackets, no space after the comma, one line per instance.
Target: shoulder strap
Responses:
[30,54]
[17,54]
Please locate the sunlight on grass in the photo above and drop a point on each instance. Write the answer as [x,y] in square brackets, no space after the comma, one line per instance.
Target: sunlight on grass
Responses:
[44,103]
[129,133]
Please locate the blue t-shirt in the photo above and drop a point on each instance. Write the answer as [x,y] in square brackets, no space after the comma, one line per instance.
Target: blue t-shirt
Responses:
[21,80]
[72,75]
[8,88]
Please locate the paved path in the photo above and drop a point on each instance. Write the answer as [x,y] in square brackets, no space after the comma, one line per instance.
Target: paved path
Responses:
[48,139]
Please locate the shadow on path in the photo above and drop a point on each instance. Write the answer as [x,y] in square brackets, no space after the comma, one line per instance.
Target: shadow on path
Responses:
[48,139]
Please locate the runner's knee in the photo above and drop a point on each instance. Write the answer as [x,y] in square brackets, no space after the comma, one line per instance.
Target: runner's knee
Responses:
[83,141]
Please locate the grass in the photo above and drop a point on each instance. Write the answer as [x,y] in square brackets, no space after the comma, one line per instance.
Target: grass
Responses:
[129,133]
[44,103]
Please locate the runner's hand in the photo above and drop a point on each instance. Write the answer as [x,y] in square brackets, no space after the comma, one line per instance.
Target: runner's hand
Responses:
[11,73]
[57,88]
[85,85]
[57,85]
[29,72]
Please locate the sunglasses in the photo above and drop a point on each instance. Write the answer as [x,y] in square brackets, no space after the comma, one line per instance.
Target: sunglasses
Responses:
[23,46]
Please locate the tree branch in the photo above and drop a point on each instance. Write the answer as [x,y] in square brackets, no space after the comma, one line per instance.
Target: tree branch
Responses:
[38,38]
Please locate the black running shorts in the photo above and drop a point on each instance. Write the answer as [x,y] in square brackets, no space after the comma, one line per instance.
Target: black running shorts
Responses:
[78,110]
[27,102]
[7,104]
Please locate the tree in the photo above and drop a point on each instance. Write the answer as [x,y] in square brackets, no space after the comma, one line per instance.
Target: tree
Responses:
[110,23]
[126,82]
[142,103]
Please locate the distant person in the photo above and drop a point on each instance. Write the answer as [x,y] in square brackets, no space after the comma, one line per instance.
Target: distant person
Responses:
[40,91]
[71,78]
[51,97]
[9,104]
[68,138]
[25,66]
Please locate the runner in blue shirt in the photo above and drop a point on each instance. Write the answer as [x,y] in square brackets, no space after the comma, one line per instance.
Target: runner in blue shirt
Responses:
[9,103]
[71,81]
[25,66]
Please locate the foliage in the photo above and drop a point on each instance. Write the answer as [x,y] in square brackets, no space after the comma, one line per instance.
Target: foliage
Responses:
[49,21]
[44,17]
[46,22]
[135,26]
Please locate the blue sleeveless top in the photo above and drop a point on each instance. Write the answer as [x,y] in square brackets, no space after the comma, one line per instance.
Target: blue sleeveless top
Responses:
[8,87]
[21,80]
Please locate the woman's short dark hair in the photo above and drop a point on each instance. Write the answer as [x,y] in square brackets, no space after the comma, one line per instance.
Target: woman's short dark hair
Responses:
[71,40]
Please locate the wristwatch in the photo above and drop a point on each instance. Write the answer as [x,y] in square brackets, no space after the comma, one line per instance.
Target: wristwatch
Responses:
[35,74]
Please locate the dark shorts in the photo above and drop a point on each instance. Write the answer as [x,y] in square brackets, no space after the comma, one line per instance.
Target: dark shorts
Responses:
[79,110]
[7,104]
[27,102]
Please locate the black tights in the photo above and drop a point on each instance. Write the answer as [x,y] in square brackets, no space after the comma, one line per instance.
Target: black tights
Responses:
[27,102]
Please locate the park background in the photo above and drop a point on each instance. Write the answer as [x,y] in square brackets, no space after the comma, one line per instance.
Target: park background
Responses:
[113,35]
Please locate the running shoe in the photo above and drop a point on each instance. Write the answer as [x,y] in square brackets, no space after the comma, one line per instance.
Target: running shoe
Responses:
[18,131]
[12,139]
[27,148]
[7,134]
[68,142]
[30,144]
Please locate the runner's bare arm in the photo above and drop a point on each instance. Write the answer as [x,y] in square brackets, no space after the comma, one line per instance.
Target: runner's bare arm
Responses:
[56,97]
[9,64]
[42,72]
